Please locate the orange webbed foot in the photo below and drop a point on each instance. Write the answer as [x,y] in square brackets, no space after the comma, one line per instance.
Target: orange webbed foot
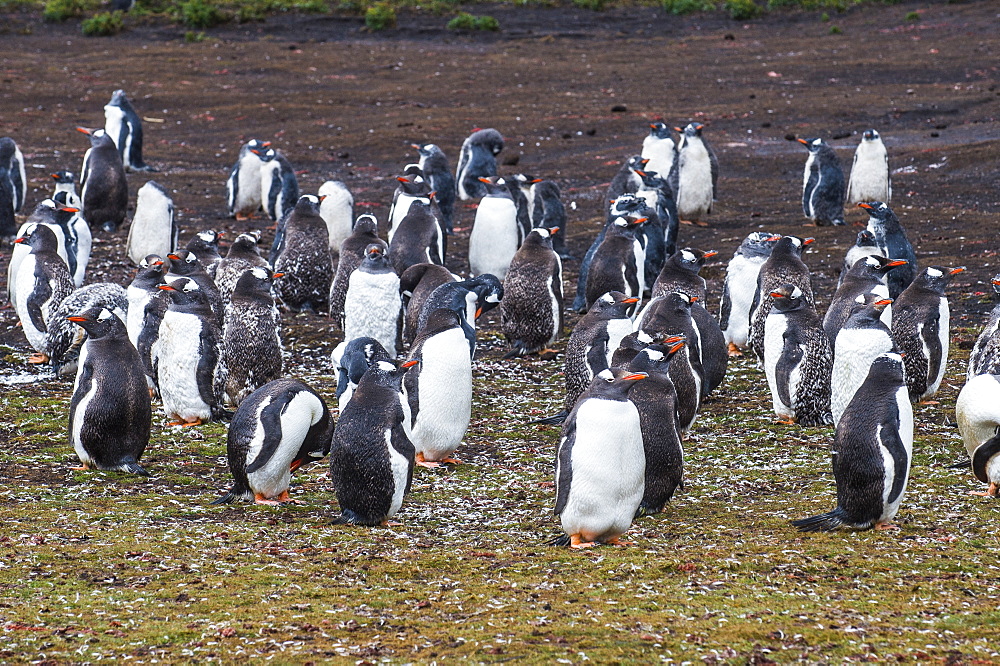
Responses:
[735,351]
[259,498]
[617,541]
[38,358]
[420,462]
[196,422]
[886,527]
[577,542]
[929,402]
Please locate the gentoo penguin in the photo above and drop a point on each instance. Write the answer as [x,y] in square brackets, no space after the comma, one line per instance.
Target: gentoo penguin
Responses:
[656,192]
[351,360]
[739,288]
[659,148]
[783,266]
[862,339]
[656,401]
[549,212]
[892,242]
[519,186]
[78,237]
[798,361]
[416,284]
[418,239]
[187,264]
[412,187]
[244,194]
[870,180]
[143,288]
[617,264]
[651,233]
[304,258]
[191,370]
[470,298]
[864,246]
[66,186]
[279,188]
[822,184]
[438,389]
[978,414]
[984,359]
[336,207]
[372,305]
[871,452]
[596,501]
[280,427]
[109,415]
[243,255]
[205,245]
[13,186]
[104,187]
[371,457]
[531,316]
[435,167]
[352,251]
[626,180]
[68,229]
[63,338]
[154,229]
[695,178]
[251,337]
[623,206]
[865,277]
[42,282]
[680,273]
[477,160]
[494,238]
[920,327]
[124,126]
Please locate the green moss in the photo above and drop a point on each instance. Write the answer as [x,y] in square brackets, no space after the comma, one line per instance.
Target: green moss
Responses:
[200,14]
[104,24]
[681,7]
[464,21]
[61,10]
[743,10]
[380,16]
[595,5]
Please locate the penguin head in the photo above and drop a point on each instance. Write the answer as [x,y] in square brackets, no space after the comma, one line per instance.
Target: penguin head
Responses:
[692,259]
[656,357]
[308,204]
[691,129]
[185,291]
[788,297]
[97,321]
[117,97]
[793,244]
[488,290]
[183,263]
[996,283]
[209,236]
[257,147]
[936,278]
[650,178]
[541,236]
[612,305]
[865,239]
[659,130]
[64,177]
[426,149]
[267,155]
[889,368]
[41,239]
[812,144]
[636,162]
[878,210]
[245,243]
[376,259]
[870,135]
[366,223]
[489,138]
[758,244]
[151,260]
[254,285]
[614,383]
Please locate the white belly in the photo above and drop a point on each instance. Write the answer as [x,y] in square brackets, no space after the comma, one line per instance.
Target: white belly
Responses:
[248,195]
[617,329]
[337,210]
[445,395]
[854,353]
[694,183]
[151,231]
[906,435]
[774,330]
[494,237]
[24,285]
[944,324]
[978,414]
[301,413]
[400,467]
[178,367]
[371,308]
[869,175]
[741,276]
[137,301]
[660,153]
[77,425]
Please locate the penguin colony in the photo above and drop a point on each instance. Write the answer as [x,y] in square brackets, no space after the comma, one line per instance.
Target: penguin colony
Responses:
[201,332]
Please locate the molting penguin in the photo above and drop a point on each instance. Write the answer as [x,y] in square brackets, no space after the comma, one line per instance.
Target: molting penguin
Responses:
[102,179]
[783,266]
[871,452]
[352,251]
[280,427]
[822,184]
[124,126]
[205,245]
[42,283]
[617,265]
[477,160]
[336,207]
[696,174]
[243,255]
[596,501]
[680,273]
[892,242]
[418,239]
[279,188]
[372,307]
[865,277]
[625,205]
[984,359]
[864,246]
[13,186]
[659,149]
[63,338]
[740,286]
[187,265]
[252,340]
[351,361]
[978,414]
[154,229]
[416,284]
[870,180]
[109,415]
[244,194]
[434,165]
[531,311]
[862,339]
[304,257]
[495,237]
[371,458]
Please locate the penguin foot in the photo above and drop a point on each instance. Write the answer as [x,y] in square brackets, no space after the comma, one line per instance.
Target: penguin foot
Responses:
[38,357]
[81,468]
[734,351]
[929,402]
[419,461]
[576,542]
[617,541]
[989,492]
[243,217]
[886,527]
[451,461]
[785,421]
[391,523]
[196,422]
[260,499]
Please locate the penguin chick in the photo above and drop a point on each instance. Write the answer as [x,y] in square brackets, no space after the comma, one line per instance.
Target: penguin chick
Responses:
[304,258]
[251,337]
[352,252]
[870,179]
[695,177]
[531,312]
[864,246]
[187,265]
[154,229]
[680,273]
[205,246]
[243,255]
[434,165]
[372,307]
[617,264]
[783,266]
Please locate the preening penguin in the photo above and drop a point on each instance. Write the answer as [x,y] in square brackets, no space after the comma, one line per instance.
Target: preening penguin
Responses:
[304,257]
[696,174]
[740,287]
[280,427]
[352,251]
[124,126]
[63,338]
[109,415]
[372,307]
[435,167]
[978,414]
[783,266]
[862,339]
[477,160]
[870,180]
[154,229]
[871,453]
[243,255]
[469,298]
[252,335]
[822,184]
[892,242]
[244,194]
[279,188]
[495,237]
[104,187]
[984,359]
[351,361]
[43,282]
[336,207]
[531,312]
[13,187]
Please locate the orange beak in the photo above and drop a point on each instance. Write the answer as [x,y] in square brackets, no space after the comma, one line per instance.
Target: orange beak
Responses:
[630,300]
[864,205]
[486,180]
[803,142]
[957,270]
[884,301]
[553,230]
[777,294]
[897,262]
[808,240]
[165,287]
[709,254]
[76,319]
[277,275]
[635,376]
[84,130]
[410,364]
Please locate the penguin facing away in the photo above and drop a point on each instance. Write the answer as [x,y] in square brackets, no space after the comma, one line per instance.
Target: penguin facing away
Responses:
[124,126]
[740,286]
[13,186]
[336,207]
[351,361]
[244,254]
[550,213]
[154,228]
[416,284]
[304,258]
[104,188]
[252,335]
[978,414]
[870,179]
[531,312]
[822,184]
[984,359]
[477,160]
[418,239]
[617,265]
[623,206]
[243,189]
[892,242]
[435,167]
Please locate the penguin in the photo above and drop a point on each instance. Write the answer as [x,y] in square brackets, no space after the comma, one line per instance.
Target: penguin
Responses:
[655,398]
[477,160]
[13,187]
[494,238]
[415,285]
[110,417]
[251,337]
[143,289]
[531,315]
[104,187]
[418,239]
[984,359]
[822,184]
[870,179]
[42,282]
[892,242]
[187,265]
[680,273]
[651,233]
[124,126]
[659,148]
[656,192]
[740,286]
[783,266]
[277,429]
[519,186]
[864,246]
[66,186]
[154,229]
[304,258]
[920,327]
[243,188]
[243,255]
[336,207]
[865,277]
[626,180]
[798,361]
[434,164]
[351,359]
[64,338]
[978,414]
[617,264]
[695,177]
[352,251]
[548,212]
[73,249]
[471,299]
[371,456]
[413,187]
[595,500]
[872,452]
[862,339]
[205,246]
[372,306]
[713,348]
[191,370]
[279,188]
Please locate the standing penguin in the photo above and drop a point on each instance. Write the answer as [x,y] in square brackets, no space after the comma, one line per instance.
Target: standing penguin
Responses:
[416,284]
[656,192]
[871,452]
[740,286]
[187,264]
[13,186]
[79,239]
[531,314]
[865,277]
[109,415]
[870,180]
[435,167]
[659,148]
[371,457]
[102,179]
[822,184]
[862,339]
[470,298]
[596,501]
[627,180]
[336,207]
[251,337]
[242,256]
[625,205]
[72,242]
[154,229]
[864,246]
[280,427]
[205,246]
[63,338]
[798,361]
[494,238]
[279,188]
[304,258]
[412,188]
[124,126]
[145,286]
[66,186]
[695,178]
[351,360]
[680,273]
[920,327]
[892,242]
[618,263]
[243,186]
[43,282]
[372,306]
[984,359]
[783,266]
[978,414]
[477,160]
[549,212]
[352,252]
[418,239]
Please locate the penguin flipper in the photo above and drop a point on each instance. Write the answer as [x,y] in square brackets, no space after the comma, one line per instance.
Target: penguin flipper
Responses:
[555,419]
[981,458]
[824,522]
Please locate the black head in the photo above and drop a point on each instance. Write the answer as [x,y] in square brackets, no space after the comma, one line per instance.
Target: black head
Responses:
[875,266]
[814,145]
[488,290]
[308,204]
[788,298]
[41,239]
[245,244]
[98,322]
[660,130]
[184,263]
[98,138]
[870,135]
[936,278]
[117,98]
[636,162]
[792,245]
[865,239]
[255,285]
[691,129]
[541,236]
[692,259]
[375,260]
[758,244]
[205,243]
[63,177]
[650,178]
[888,368]
[386,374]
[496,186]
[414,183]
[366,224]
[879,211]
[489,138]
[655,358]
[267,155]
[151,270]
[625,226]
[257,147]
[612,305]
[614,383]
[185,291]
[427,149]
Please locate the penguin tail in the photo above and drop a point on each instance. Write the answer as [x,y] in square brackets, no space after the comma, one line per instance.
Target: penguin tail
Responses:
[348,517]
[647,510]
[825,522]
[132,467]
[232,496]
[561,540]
[962,464]
[555,419]
[222,414]
[517,349]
